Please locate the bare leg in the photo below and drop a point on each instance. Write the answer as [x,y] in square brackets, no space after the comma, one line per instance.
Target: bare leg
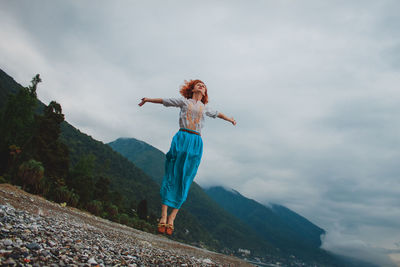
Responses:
[164,210]
[172,216]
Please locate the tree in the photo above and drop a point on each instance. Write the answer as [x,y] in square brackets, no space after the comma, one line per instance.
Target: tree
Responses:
[46,144]
[32,88]
[17,122]
[112,211]
[142,209]
[117,199]
[81,179]
[101,189]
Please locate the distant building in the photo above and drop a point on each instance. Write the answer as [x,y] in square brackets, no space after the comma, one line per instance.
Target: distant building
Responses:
[244,252]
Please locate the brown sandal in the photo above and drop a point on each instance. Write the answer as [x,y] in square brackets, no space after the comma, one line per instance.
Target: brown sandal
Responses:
[170,229]
[161,228]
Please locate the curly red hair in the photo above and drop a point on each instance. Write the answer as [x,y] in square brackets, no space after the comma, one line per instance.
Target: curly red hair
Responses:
[187,90]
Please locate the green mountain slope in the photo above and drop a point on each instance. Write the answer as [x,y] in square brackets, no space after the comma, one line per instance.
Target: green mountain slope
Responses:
[131,185]
[201,221]
[131,182]
[230,233]
[7,86]
[280,232]
[126,178]
[148,158]
[282,227]
[285,229]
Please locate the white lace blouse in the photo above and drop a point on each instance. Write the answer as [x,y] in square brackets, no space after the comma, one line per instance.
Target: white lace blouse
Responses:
[192,112]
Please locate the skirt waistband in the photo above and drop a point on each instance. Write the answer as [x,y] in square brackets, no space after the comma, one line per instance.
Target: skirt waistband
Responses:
[189,131]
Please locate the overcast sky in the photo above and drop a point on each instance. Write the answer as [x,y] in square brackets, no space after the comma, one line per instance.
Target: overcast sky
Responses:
[313,85]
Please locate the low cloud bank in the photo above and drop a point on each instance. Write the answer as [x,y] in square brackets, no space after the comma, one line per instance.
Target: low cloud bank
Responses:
[348,246]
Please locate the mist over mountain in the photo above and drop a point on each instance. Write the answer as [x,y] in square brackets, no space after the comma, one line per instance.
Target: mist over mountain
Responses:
[216,219]
[278,224]
[283,231]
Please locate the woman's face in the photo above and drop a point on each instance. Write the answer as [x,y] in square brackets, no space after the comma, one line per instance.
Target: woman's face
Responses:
[200,87]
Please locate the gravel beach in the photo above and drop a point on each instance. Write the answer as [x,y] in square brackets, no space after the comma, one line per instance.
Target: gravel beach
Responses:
[37,232]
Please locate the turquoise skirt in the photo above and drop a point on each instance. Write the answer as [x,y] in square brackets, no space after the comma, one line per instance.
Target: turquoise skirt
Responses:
[183,160]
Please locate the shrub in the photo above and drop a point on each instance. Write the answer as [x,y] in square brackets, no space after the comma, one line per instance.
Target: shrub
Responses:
[112,212]
[2,180]
[64,194]
[124,218]
[30,174]
[95,207]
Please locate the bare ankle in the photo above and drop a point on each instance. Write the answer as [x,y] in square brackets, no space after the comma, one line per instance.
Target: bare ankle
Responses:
[171,220]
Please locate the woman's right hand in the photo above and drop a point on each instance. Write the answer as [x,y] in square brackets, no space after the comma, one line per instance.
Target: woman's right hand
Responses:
[144,100]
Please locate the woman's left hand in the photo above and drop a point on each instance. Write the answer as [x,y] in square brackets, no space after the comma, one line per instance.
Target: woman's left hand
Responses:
[144,100]
[232,120]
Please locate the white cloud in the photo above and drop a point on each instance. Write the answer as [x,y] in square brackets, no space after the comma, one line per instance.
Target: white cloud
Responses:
[350,246]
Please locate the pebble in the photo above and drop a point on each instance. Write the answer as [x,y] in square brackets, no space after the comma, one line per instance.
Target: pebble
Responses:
[51,243]
[7,242]
[92,261]
[33,246]
[207,261]
[63,240]
[10,262]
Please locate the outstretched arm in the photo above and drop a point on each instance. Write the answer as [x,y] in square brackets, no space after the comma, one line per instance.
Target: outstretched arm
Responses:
[152,100]
[222,116]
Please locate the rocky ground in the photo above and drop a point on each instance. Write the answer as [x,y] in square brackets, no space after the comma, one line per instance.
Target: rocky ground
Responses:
[37,232]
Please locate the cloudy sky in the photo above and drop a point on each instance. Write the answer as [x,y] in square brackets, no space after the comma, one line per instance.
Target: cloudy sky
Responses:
[313,85]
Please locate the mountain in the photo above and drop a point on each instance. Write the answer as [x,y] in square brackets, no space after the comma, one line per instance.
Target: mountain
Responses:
[132,185]
[202,221]
[270,227]
[128,182]
[7,86]
[226,213]
[125,177]
[227,230]
[282,227]
[145,156]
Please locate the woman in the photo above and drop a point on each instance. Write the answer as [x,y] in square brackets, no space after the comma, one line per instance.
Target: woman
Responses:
[184,156]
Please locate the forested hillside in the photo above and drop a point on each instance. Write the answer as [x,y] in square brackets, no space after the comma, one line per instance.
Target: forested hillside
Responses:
[45,155]
[276,234]
[228,232]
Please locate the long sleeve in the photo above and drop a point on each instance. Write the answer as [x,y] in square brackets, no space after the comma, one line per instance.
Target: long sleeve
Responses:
[173,102]
[211,112]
